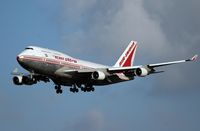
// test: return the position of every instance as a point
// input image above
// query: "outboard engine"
(17, 80)
(27, 80)
(141, 72)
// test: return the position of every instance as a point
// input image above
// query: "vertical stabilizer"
(127, 58)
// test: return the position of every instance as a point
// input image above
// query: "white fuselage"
(48, 56)
(52, 64)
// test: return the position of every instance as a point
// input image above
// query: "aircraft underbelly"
(40, 67)
(49, 70)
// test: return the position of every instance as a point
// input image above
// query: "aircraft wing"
(173, 62)
(141, 70)
(15, 72)
(149, 67)
(30, 76)
(74, 71)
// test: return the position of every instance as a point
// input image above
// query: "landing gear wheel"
(83, 89)
(88, 89)
(74, 88)
(58, 89)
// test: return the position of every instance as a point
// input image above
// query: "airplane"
(45, 65)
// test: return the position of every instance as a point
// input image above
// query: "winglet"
(194, 58)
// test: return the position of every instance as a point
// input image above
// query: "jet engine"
(98, 75)
(27, 80)
(142, 72)
(17, 80)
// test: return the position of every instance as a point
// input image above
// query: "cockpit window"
(29, 48)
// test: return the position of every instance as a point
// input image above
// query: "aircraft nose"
(19, 58)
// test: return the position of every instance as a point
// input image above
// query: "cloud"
(101, 30)
(177, 17)
(108, 29)
(165, 30)
(179, 22)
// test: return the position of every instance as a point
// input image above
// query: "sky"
(99, 31)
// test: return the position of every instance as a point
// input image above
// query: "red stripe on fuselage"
(55, 62)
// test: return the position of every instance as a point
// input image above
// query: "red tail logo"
(126, 59)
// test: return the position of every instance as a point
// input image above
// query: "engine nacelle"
(98, 75)
(142, 72)
(20, 80)
(27, 80)
(17, 80)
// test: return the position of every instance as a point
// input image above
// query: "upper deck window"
(28, 48)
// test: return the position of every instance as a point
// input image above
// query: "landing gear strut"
(74, 88)
(58, 89)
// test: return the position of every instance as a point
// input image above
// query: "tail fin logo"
(127, 58)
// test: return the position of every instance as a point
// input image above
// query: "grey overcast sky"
(99, 31)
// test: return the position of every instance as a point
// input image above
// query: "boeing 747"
(64, 70)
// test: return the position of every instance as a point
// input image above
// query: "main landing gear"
(58, 89)
(87, 88)
(75, 89)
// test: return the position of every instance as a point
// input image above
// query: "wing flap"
(80, 71)
(75, 73)
(122, 69)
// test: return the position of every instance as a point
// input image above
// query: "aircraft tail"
(127, 58)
